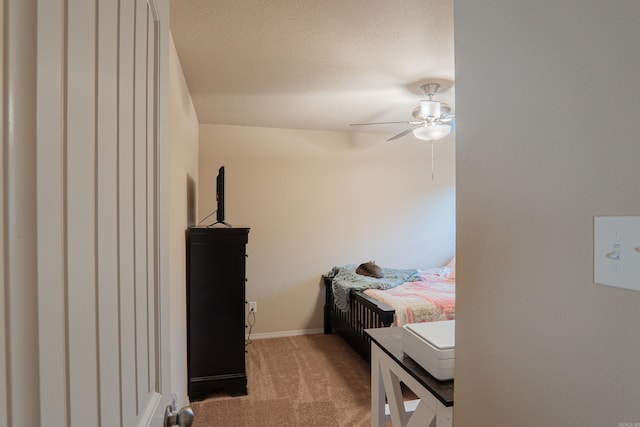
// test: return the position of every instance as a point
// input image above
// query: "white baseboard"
(264, 335)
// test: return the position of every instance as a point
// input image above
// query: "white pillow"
(452, 264)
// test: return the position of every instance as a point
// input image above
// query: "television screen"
(220, 195)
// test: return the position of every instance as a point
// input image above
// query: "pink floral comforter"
(433, 298)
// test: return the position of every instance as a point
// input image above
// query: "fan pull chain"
(432, 162)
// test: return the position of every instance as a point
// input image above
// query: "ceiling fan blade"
(403, 133)
(380, 123)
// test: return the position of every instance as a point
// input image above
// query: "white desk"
(389, 367)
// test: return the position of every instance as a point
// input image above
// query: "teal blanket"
(345, 278)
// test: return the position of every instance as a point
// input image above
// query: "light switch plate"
(616, 251)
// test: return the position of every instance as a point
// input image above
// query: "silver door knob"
(182, 418)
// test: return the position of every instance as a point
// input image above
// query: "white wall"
(547, 109)
(183, 148)
(318, 199)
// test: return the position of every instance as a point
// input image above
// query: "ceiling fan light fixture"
(430, 109)
(432, 133)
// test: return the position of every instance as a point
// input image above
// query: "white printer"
(432, 346)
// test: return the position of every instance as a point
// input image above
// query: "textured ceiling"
(313, 64)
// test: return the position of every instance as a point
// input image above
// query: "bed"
(354, 303)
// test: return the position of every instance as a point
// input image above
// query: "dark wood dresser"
(216, 267)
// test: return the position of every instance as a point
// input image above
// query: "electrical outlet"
(253, 306)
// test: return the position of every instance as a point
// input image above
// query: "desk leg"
(444, 416)
(386, 376)
(377, 389)
(393, 392)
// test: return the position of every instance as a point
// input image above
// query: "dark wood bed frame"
(364, 313)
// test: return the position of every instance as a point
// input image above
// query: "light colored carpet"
(311, 380)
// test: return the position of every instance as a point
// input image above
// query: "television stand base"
(220, 222)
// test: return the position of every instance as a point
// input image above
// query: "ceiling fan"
(431, 117)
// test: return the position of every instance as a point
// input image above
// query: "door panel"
(79, 225)
(99, 212)
(19, 325)
(107, 213)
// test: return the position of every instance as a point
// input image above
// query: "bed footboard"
(364, 313)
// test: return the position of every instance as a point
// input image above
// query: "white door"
(102, 255)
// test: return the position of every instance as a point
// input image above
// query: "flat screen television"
(220, 195)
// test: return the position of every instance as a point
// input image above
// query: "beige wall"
(547, 109)
(317, 199)
(183, 179)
